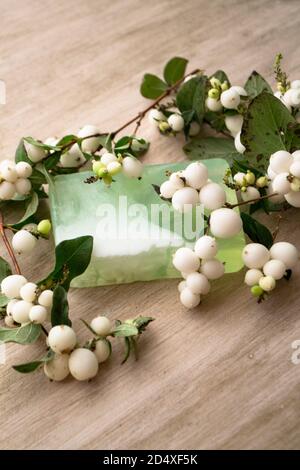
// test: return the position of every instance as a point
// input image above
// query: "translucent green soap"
(133, 241)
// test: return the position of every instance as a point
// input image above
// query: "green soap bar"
(134, 248)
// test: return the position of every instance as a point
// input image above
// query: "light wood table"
(220, 377)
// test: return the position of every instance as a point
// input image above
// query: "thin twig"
(8, 246)
(243, 203)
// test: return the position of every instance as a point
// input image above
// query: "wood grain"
(220, 377)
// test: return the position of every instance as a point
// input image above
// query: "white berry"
(10, 305)
(285, 252)
(114, 168)
(101, 325)
(250, 194)
(212, 196)
(212, 269)
(102, 351)
(230, 99)
(255, 255)
(176, 122)
(241, 91)
(278, 198)
(72, 158)
(295, 84)
(28, 292)
(155, 116)
(11, 285)
(197, 283)
(225, 223)
(185, 260)
(8, 171)
(274, 268)
(188, 299)
(296, 156)
(281, 183)
(267, 283)
(23, 169)
(7, 190)
(58, 368)
(238, 144)
(281, 161)
(46, 298)
(35, 153)
(38, 314)
(239, 178)
(181, 286)
(62, 339)
(176, 179)
(83, 364)
(132, 167)
(213, 105)
(23, 186)
(295, 169)
(234, 123)
(92, 144)
(293, 198)
(167, 189)
(23, 242)
(107, 158)
(20, 311)
(253, 276)
(206, 247)
(184, 199)
(196, 175)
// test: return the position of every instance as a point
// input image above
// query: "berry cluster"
(172, 124)
(267, 266)
(284, 172)
(27, 303)
(110, 165)
(81, 362)
(24, 241)
(290, 97)
(14, 179)
(197, 267)
(249, 185)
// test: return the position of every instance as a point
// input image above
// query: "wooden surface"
(221, 376)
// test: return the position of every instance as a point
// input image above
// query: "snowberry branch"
(251, 201)
(8, 246)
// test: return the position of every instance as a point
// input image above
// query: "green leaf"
(37, 178)
(265, 128)
(106, 141)
(38, 143)
(221, 75)
(175, 70)
(256, 231)
(215, 120)
(5, 269)
(3, 301)
(21, 154)
(72, 258)
(67, 141)
(26, 334)
(191, 97)
(131, 144)
(142, 322)
(152, 87)
(127, 350)
(211, 147)
(52, 160)
(32, 366)
(256, 84)
(60, 307)
(31, 208)
(125, 330)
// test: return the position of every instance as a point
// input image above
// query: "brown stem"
(8, 246)
(140, 116)
(243, 203)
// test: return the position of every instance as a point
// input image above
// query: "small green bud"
(250, 177)
(97, 165)
(243, 189)
(224, 86)
(295, 184)
(257, 291)
(215, 82)
(107, 179)
(280, 87)
(262, 182)
(102, 172)
(164, 126)
(214, 93)
(44, 227)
